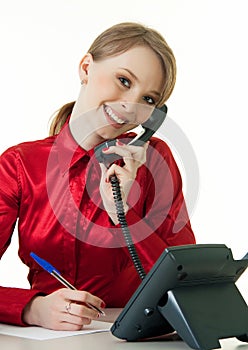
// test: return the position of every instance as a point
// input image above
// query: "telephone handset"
(149, 128)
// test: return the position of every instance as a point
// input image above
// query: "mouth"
(113, 117)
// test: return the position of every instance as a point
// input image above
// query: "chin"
(107, 134)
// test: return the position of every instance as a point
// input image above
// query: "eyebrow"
(136, 78)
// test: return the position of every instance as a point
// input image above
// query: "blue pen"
(55, 273)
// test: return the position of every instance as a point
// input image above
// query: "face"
(119, 92)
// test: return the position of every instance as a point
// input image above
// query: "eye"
(125, 82)
(149, 100)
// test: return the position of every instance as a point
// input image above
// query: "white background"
(42, 43)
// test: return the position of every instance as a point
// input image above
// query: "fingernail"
(103, 305)
(105, 149)
(107, 180)
(119, 143)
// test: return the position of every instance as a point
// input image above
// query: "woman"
(62, 196)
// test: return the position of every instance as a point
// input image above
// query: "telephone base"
(191, 290)
(205, 313)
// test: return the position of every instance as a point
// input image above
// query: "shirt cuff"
(12, 303)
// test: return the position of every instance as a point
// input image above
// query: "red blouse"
(51, 187)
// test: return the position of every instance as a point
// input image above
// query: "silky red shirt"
(50, 189)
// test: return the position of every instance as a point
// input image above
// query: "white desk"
(103, 341)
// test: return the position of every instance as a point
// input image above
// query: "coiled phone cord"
(124, 226)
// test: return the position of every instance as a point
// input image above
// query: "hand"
(63, 309)
(134, 157)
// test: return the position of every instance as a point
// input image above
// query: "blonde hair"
(115, 41)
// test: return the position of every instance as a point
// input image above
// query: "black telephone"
(149, 128)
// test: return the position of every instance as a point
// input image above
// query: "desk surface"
(103, 341)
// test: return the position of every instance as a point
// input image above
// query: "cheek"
(143, 113)
(104, 87)
(102, 81)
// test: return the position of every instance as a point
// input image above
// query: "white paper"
(40, 333)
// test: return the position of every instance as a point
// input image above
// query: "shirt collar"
(69, 152)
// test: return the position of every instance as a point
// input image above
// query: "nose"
(130, 99)
(129, 107)
(138, 112)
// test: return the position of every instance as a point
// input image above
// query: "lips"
(113, 117)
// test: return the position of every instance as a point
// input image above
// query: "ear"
(84, 67)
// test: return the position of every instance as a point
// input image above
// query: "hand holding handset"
(149, 128)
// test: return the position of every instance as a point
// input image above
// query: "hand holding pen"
(64, 309)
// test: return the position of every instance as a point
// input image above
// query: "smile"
(110, 113)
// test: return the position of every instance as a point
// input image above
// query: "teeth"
(113, 116)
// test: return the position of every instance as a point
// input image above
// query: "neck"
(83, 134)
(81, 126)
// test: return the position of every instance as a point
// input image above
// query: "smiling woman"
(119, 91)
(63, 199)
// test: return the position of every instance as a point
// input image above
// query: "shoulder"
(160, 154)
(28, 149)
(161, 146)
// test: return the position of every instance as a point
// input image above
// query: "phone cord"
(124, 226)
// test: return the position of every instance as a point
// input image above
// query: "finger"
(139, 153)
(103, 168)
(120, 172)
(70, 324)
(82, 297)
(132, 148)
(80, 315)
(127, 157)
(128, 152)
(82, 311)
(103, 171)
(75, 320)
(121, 151)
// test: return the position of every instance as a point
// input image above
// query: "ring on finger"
(68, 307)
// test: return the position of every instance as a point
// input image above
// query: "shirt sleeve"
(12, 300)
(165, 220)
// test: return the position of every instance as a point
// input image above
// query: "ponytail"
(60, 118)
